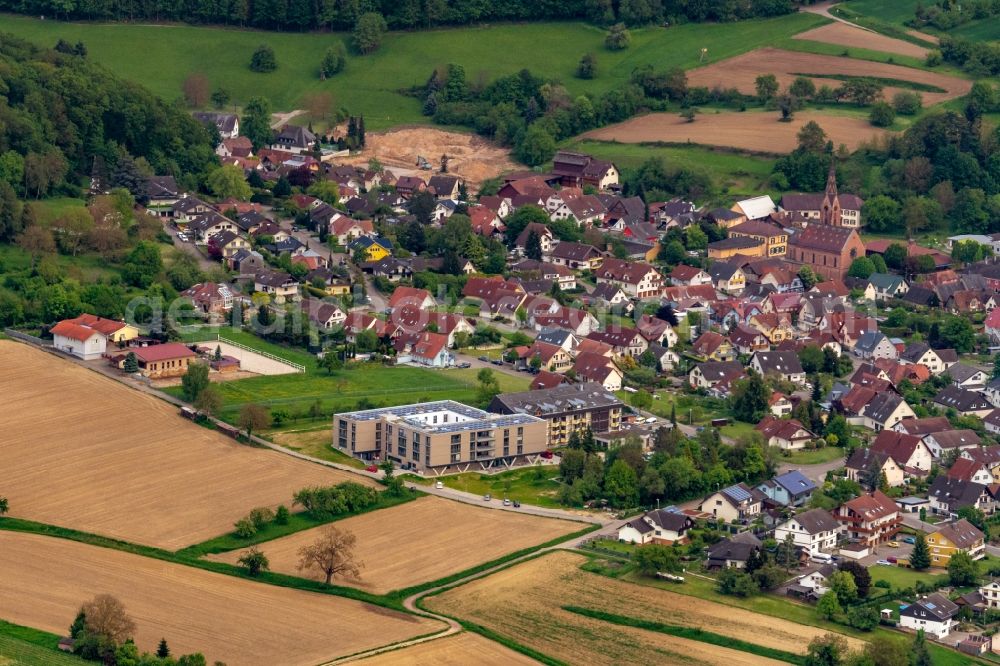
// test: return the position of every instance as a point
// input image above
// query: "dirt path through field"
(756, 132)
(462, 649)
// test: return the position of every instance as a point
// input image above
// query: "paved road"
(815, 472)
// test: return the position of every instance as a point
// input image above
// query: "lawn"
(902, 577)
(14, 652)
(531, 485)
(815, 456)
(295, 355)
(371, 85)
(313, 441)
(733, 172)
(691, 409)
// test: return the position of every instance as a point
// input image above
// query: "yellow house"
(338, 288)
(730, 247)
(773, 326)
(376, 248)
(959, 536)
(773, 237)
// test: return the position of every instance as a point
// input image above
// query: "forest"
(399, 14)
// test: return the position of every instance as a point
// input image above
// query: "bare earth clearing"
(849, 36)
(525, 603)
(470, 156)
(243, 623)
(757, 132)
(459, 650)
(441, 537)
(80, 450)
(741, 72)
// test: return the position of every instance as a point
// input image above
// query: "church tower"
(830, 210)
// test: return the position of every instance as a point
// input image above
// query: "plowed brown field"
(80, 450)
(525, 603)
(757, 132)
(463, 649)
(442, 537)
(741, 72)
(45, 580)
(848, 36)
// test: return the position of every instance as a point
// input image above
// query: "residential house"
(871, 519)
(577, 170)
(549, 357)
(79, 340)
(884, 410)
(948, 495)
(827, 250)
(967, 377)
(684, 275)
(575, 255)
(782, 364)
(867, 467)
(874, 345)
(712, 346)
(709, 374)
(656, 331)
(728, 277)
(546, 238)
(210, 297)
(773, 237)
(593, 367)
(666, 359)
(445, 186)
(779, 405)
(374, 247)
(963, 401)
(727, 248)
(427, 349)
(733, 552)
(558, 337)
(991, 594)
(756, 208)
(170, 359)
(611, 296)
(909, 451)
(940, 443)
(326, 316)
(228, 124)
(776, 327)
(968, 469)
(738, 503)
(280, 286)
(935, 614)
(660, 526)
(992, 325)
(639, 280)
(747, 340)
(346, 230)
(624, 341)
(580, 322)
(294, 139)
(789, 489)
(924, 426)
(411, 296)
(885, 286)
(786, 434)
(817, 581)
(814, 531)
(920, 353)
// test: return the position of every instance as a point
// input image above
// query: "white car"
(439, 485)
(651, 419)
(182, 237)
(885, 563)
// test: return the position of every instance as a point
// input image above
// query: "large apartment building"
(439, 437)
(566, 408)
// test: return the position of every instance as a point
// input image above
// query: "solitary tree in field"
(220, 97)
(196, 90)
(332, 554)
(254, 561)
(208, 401)
(263, 59)
(105, 617)
(254, 417)
(194, 381)
(163, 651)
(3, 505)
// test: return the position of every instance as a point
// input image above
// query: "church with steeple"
(829, 208)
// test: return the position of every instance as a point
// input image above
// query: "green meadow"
(162, 56)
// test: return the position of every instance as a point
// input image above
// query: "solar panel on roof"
(930, 605)
(737, 493)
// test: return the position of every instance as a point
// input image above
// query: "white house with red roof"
(87, 336)
(992, 325)
(411, 296)
(428, 349)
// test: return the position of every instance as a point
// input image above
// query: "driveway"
(816, 472)
(187, 247)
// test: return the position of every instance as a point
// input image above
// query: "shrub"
(618, 38)
(245, 528)
(263, 59)
(907, 103)
(882, 114)
(260, 517)
(281, 515)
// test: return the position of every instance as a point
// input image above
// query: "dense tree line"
(59, 113)
(398, 14)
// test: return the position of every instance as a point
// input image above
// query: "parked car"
(497, 361)
(909, 539)
(891, 560)
(439, 485)
(465, 364)
(182, 237)
(885, 563)
(486, 497)
(506, 502)
(371, 468)
(517, 505)
(484, 359)
(547, 455)
(651, 419)
(892, 544)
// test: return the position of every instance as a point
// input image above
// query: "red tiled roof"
(165, 352)
(68, 329)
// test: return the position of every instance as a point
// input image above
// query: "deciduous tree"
(332, 555)
(254, 561)
(196, 89)
(254, 417)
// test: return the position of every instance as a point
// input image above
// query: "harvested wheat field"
(741, 72)
(239, 622)
(755, 132)
(525, 603)
(81, 450)
(458, 650)
(470, 156)
(442, 537)
(850, 36)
